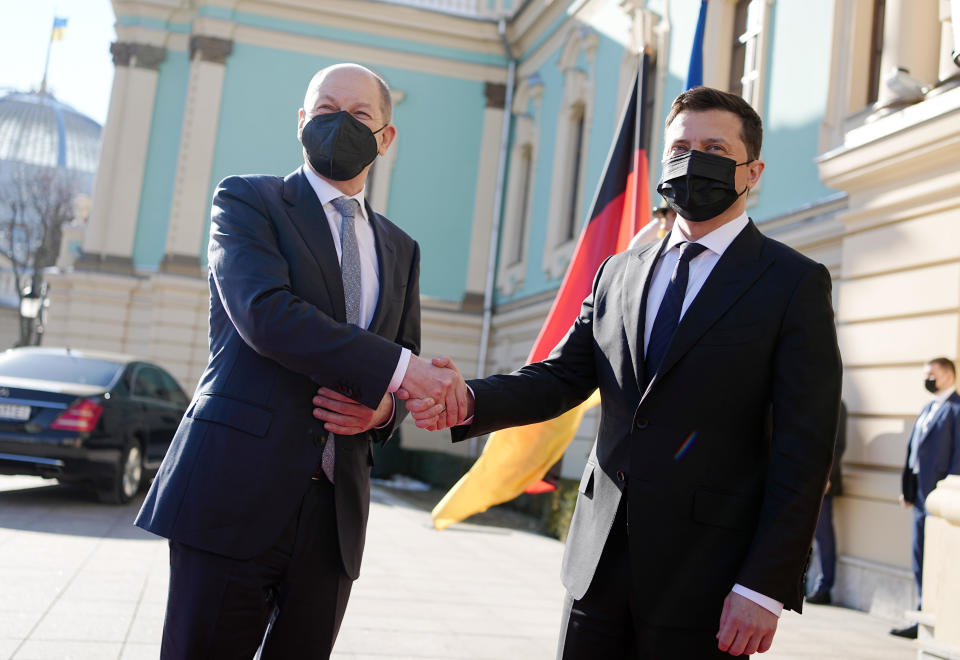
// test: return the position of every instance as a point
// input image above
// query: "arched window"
(571, 146)
(519, 203)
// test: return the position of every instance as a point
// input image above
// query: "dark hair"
(944, 363)
(700, 99)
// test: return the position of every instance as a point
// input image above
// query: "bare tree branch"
(35, 205)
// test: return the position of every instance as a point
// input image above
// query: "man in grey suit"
(716, 358)
(933, 452)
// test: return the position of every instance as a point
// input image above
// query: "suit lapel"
(390, 280)
(918, 426)
(636, 283)
(738, 269)
(308, 217)
(934, 420)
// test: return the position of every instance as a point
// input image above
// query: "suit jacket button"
(641, 423)
(621, 476)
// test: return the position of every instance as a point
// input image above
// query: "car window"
(175, 394)
(63, 368)
(122, 388)
(148, 383)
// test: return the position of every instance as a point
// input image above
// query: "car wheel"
(129, 477)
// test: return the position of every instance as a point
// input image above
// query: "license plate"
(13, 411)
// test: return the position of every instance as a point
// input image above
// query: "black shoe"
(910, 632)
(820, 597)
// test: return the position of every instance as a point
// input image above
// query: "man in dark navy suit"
(264, 499)
(716, 358)
(933, 452)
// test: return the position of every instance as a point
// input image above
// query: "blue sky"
(81, 68)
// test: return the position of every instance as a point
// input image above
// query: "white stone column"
(940, 619)
(191, 192)
(907, 25)
(493, 118)
(108, 244)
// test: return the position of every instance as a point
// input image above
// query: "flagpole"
(46, 65)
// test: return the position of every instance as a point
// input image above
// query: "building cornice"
(893, 148)
(393, 21)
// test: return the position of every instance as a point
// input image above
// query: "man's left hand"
(745, 627)
(344, 416)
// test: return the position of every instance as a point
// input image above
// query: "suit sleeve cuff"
(393, 413)
(400, 371)
(767, 603)
(469, 420)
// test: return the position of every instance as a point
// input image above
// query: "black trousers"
(604, 624)
(219, 608)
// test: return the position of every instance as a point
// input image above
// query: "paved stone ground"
(78, 581)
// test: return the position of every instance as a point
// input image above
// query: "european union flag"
(695, 71)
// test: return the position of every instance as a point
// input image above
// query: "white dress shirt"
(369, 266)
(701, 266)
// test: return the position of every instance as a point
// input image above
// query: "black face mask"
(931, 385)
(699, 186)
(338, 145)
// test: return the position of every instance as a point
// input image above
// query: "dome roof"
(37, 129)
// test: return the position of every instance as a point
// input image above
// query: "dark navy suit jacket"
(939, 452)
(245, 451)
(723, 454)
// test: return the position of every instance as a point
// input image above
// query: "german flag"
(517, 459)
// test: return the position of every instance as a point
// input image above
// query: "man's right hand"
(433, 417)
(442, 388)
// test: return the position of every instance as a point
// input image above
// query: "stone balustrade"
(940, 618)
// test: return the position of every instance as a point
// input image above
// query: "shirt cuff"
(400, 371)
(767, 603)
(393, 412)
(469, 420)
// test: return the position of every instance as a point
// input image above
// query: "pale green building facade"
(505, 113)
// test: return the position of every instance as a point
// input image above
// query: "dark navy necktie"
(668, 316)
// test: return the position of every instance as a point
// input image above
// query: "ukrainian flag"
(59, 28)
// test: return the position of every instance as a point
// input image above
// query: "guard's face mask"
(338, 145)
(931, 385)
(699, 186)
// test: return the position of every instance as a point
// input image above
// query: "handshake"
(435, 394)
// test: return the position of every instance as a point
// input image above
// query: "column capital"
(210, 49)
(141, 56)
(496, 94)
(122, 52)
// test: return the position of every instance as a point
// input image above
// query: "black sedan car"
(100, 419)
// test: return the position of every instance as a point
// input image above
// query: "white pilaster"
(116, 199)
(201, 117)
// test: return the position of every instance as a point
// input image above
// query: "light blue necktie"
(920, 429)
(348, 208)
